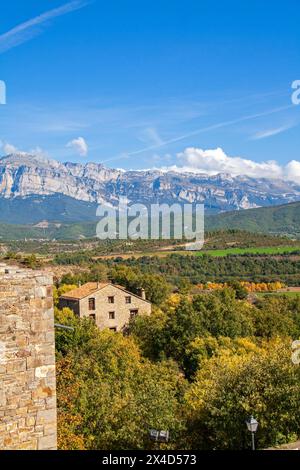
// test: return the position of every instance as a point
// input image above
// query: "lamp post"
(252, 425)
(64, 327)
(159, 436)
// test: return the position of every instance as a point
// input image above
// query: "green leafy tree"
(223, 315)
(156, 287)
(116, 396)
(150, 334)
(241, 292)
(277, 316)
(183, 325)
(241, 380)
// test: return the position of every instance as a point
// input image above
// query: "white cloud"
(9, 148)
(79, 145)
(31, 28)
(216, 161)
(271, 132)
(292, 171)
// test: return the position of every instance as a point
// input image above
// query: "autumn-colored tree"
(114, 396)
(240, 380)
(169, 334)
(70, 421)
(197, 367)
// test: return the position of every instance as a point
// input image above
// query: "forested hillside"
(283, 220)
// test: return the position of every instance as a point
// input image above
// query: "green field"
(272, 250)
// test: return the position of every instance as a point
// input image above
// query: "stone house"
(109, 305)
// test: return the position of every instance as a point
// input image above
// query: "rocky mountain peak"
(24, 176)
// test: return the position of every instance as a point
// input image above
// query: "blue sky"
(140, 84)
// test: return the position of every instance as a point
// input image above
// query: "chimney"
(142, 293)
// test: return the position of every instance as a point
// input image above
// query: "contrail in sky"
(29, 29)
(200, 131)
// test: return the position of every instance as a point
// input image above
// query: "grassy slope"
(64, 232)
(278, 219)
(56, 208)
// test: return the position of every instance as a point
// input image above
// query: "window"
(113, 329)
(111, 300)
(134, 313)
(111, 315)
(92, 316)
(92, 304)
(128, 300)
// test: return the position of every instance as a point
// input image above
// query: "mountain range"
(35, 189)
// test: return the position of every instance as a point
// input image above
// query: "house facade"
(109, 305)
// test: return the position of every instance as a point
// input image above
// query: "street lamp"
(252, 425)
(159, 436)
(64, 327)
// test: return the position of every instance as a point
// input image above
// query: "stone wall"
(27, 361)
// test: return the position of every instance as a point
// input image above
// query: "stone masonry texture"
(27, 361)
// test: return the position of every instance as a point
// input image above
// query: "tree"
(170, 334)
(62, 289)
(156, 287)
(150, 334)
(277, 316)
(183, 325)
(114, 396)
(223, 315)
(84, 331)
(70, 421)
(31, 261)
(241, 292)
(241, 380)
(99, 272)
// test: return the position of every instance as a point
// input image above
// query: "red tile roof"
(85, 290)
(91, 287)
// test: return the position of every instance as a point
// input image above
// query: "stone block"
(2, 398)
(16, 366)
(44, 371)
(47, 442)
(46, 416)
(42, 392)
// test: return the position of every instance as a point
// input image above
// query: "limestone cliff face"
(22, 176)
